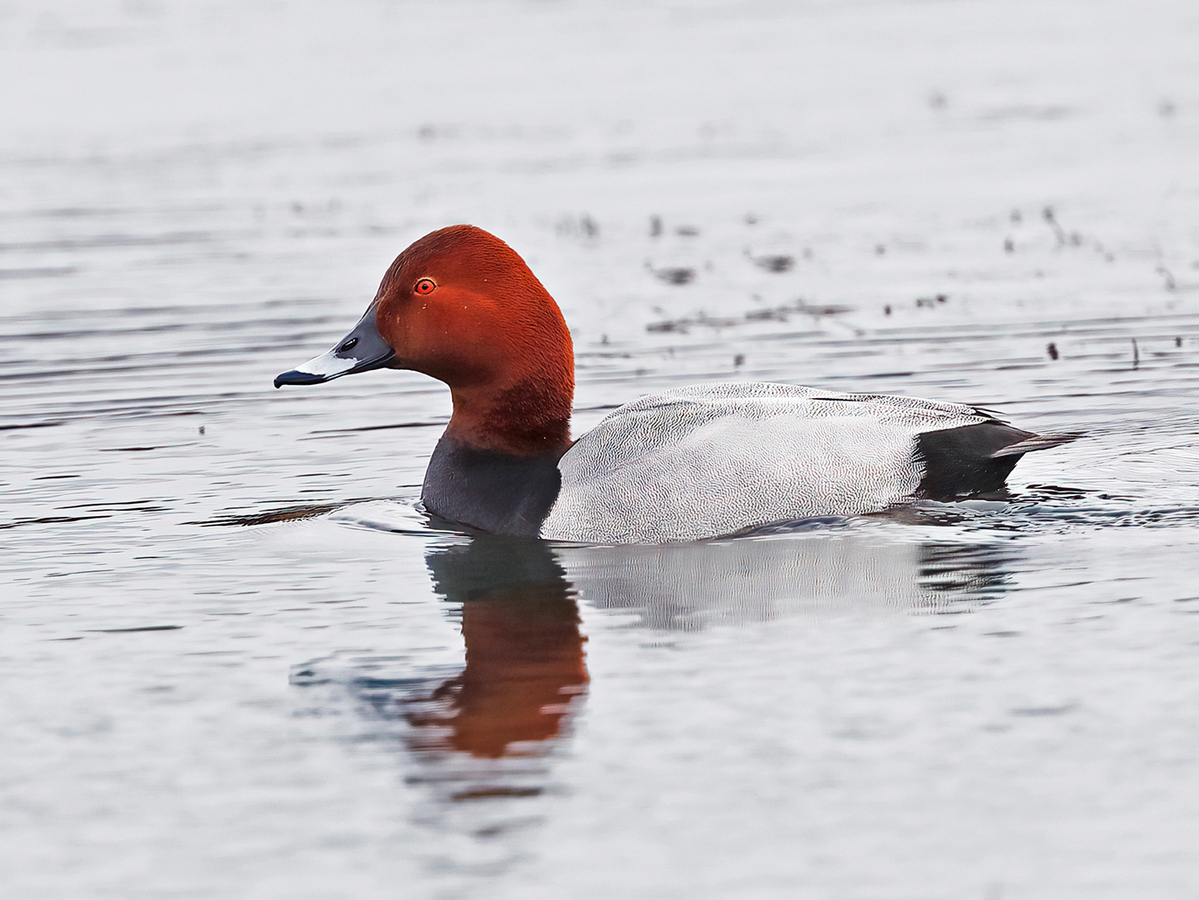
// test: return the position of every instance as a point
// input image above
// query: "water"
(238, 662)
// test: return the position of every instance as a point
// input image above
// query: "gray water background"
(230, 643)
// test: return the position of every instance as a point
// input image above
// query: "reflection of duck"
(482, 732)
(524, 653)
(827, 572)
(703, 461)
(482, 739)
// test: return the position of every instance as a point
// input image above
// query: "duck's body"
(715, 459)
(696, 462)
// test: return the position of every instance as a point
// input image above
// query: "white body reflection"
(832, 571)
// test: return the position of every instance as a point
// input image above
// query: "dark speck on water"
(673, 274)
(773, 262)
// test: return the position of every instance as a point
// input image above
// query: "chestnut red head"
(462, 306)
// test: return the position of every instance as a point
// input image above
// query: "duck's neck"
(490, 490)
(496, 466)
(529, 418)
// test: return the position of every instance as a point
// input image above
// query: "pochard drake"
(703, 461)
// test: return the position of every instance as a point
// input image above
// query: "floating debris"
(799, 307)
(821, 309)
(672, 274)
(1073, 238)
(584, 226)
(703, 320)
(772, 314)
(772, 262)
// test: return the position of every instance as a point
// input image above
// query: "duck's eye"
(348, 345)
(425, 286)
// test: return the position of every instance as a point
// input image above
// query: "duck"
(691, 463)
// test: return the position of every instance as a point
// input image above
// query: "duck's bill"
(361, 350)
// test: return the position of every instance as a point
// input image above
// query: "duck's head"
(462, 306)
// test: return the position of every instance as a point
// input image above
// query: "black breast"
(494, 492)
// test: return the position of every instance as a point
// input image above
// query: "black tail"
(975, 459)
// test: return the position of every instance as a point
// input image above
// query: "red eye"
(425, 286)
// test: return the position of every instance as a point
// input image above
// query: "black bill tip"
(295, 376)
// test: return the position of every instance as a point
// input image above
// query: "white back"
(713, 459)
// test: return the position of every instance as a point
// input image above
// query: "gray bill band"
(361, 350)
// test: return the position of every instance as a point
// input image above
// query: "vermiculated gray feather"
(713, 459)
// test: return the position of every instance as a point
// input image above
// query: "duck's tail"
(1036, 442)
(975, 459)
